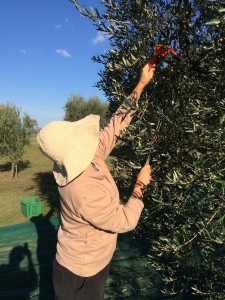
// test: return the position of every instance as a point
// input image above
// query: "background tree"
(77, 107)
(184, 107)
(14, 134)
(30, 124)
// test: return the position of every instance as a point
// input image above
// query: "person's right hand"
(147, 74)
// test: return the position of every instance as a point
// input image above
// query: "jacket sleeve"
(104, 212)
(108, 136)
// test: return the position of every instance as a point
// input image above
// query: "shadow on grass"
(48, 189)
(22, 165)
(6, 167)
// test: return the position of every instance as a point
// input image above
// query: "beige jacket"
(91, 213)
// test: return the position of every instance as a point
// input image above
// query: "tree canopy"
(181, 123)
(77, 107)
(14, 133)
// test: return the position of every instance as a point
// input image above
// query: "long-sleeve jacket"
(91, 213)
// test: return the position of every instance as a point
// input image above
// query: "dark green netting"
(27, 251)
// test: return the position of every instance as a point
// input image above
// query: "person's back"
(91, 212)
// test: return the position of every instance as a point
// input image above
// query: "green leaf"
(220, 219)
(222, 119)
(124, 61)
(213, 22)
(163, 238)
(76, 4)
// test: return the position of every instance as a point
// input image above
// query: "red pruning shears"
(161, 50)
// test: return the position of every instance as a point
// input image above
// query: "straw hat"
(70, 145)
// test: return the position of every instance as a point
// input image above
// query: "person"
(91, 213)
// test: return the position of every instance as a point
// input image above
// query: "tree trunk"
(12, 171)
(16, 171)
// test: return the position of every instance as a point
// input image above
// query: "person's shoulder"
(87, 181)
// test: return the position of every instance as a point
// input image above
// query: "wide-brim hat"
(70, 145)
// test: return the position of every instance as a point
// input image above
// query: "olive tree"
(14, 134)
(180, 122)
(77, 107)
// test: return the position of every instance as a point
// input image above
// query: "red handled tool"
(161, 50)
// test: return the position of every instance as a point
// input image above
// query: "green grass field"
(34, 168)
(35, 178)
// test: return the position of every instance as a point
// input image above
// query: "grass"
(35, 178)
(33, 169)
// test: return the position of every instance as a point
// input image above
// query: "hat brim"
(80, 151)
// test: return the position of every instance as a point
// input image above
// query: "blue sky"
(45, 56)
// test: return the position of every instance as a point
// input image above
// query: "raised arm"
(122, 117)
(146, 76)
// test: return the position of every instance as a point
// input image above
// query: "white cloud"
(101, 37)
(63, 52)
(58, 26)
(67, 20)
(23, 51)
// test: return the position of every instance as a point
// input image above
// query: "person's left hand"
(143, 179)
(145, 175)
